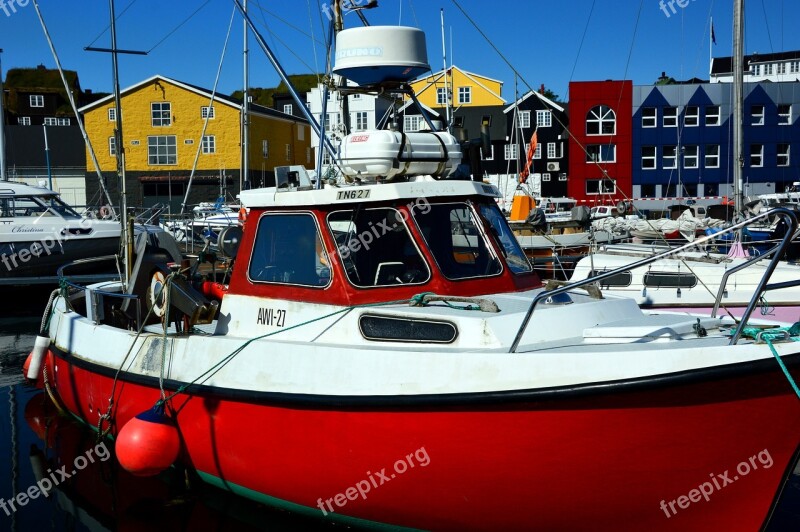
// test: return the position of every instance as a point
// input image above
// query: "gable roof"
(227, 100)
(541, 97)
(409, 103)
(436, 76)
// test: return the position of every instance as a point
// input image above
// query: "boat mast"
(444, 75)
(738, 102)
(3, 176)
(244, 175)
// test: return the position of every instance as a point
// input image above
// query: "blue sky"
(541, 39)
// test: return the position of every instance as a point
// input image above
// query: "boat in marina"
(385, 354)
(39, 233)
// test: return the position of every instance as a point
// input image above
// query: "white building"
(784, 66)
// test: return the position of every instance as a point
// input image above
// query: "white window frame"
(537, 153)
(649, 154)
(166, 153)
(551, 150)
(601, 115)
(112, 114)
(511, 152)
(649, 117)
(160, 108)
(288, 152)
(757, 113)
(785, 155)
(465, 95)
(669, 157)
(412, 123)
(24, 120)
(524, 119)
(670, 117)
(562, 176)
(490, 157)
(50, 121)
(209, 144)
(288, 108)
(36, 100)
(207, 111)
(794, 67)
(63, 121)
(711, 160)
(757, 156)
(781, 68)
(265, 149)
(112, 146)
(691, 156)
(768, 68)
(715, 115)
(785, 119)
(361, 121)
(441, 96)
(544, 118)
(691, 116)
(546, 176)
(610, 157)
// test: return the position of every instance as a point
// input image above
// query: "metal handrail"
(777, 251)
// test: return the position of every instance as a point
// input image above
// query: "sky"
(548, 43)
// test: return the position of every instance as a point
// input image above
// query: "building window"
(562, 176)
(63, 121)
(265, 149)
(784, 115)
(511, 152)
(669, 158)
(161, 113)
(288, 109)
(551, 150)
(601, 186)
(794, 67)
(781, 68)
(757, 115)
(209, 144)
(288, 152)
(308, 155)
(601, 153)
(465, 95)
(441, 96)
(112, 146)
(601, 120)
(691, 116)
(756, 155)
(783, 154)
(670, 117)
(690, 159)
(545, 177)
(112, 114)
(207, 112)
(50, 121)
(544, 118)
(488, 156)
(649, 116)
(712, 115)
(648, 157)
(537, 153)
(361, 121)
(24, 120)
(331, 121)
(412, 123)
(162, 150)
(768, 68)
(37, 100)
(524, 119)
(712, 156)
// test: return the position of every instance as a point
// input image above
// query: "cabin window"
(509, 246)
(453, 235)
(376, 247)
(288, 250)
(618, 279)
(669, 280)
(21, 206)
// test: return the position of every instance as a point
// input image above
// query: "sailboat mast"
(738, 102)
(3, 176)
(245, 173)
(120, 149)
(444, 75)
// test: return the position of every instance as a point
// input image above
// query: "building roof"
(228, 100)
(436, 76)
(542, 98)
(724, 65)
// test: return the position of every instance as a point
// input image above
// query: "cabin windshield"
(23, 206)
(452, 233)
(515, 257)
(377, 248)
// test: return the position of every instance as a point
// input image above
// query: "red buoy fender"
(148, 444)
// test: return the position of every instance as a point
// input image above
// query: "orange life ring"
(242, 215)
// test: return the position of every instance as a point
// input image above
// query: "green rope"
(419, 301)
(771, 334)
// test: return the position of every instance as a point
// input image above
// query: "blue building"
(683, 139)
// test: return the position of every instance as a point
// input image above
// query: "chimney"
(541, 89)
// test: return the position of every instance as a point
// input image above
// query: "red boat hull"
(599, 456)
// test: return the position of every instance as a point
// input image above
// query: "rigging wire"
(583, 38)
(116, 19)
(168, 35)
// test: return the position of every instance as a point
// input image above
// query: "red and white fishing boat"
(384, 353)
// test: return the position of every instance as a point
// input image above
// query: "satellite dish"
(228, 241)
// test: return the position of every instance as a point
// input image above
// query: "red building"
(600, 152)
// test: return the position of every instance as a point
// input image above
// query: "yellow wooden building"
(465, 89)
(163, 123)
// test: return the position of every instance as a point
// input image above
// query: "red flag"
(523, 176)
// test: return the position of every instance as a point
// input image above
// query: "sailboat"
(384, 354)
